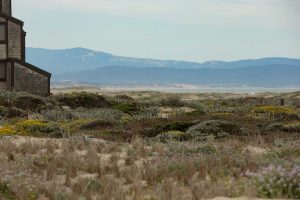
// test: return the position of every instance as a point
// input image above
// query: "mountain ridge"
(60, 61)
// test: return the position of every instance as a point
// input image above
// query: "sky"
(193, 30)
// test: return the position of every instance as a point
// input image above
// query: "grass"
(112, 151)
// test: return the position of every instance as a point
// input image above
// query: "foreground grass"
(96, 169)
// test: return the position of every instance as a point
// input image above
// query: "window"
(2, 32)
(2, 71)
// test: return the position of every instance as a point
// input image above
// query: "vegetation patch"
(38, 128)
(215, 128)
(81, 99)
(7, 130)
(275, 112)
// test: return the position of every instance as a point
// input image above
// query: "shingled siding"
(27, 80)
(3, 51)
(6, 86)
(14, 40)
(6, 7)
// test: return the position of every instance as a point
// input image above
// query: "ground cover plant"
(148, 145)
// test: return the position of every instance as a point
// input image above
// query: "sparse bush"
(216, 128)
(278, 181)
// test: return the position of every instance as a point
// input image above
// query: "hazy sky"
(197, 30)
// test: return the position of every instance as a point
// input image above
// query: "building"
(15, 73)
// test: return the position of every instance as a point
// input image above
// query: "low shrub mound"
(39, 128)
(81, 99)
(215, 128)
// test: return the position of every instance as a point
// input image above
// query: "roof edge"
(30, 66)
(11, 18)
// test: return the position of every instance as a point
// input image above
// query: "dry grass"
(69, 169)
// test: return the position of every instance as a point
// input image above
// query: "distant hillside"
(270, 75)
(84, 65)
(80, 59)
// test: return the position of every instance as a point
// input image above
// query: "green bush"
(128, 108)
(216, 128)
(195, 113)
(97, 124)
(22, 101)
(180, 126)
(81, 99)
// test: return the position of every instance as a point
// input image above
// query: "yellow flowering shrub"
(275, 112)
(30, 126)
(7, 130)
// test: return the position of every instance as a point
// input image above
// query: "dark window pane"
(2, 70)
(2, 32)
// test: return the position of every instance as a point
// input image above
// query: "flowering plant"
(278, 181)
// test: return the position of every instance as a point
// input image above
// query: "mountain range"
(88, 66)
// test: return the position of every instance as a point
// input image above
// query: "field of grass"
(149, 145)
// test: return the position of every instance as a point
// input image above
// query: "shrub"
(57, 114)
(96, 124)
(7, 130)
(172, 136)
(293, 127)
(216, 128)
(275, 127)
(27, 101)
(172, 101)
(276, 112)
(98, 113)
(81, 99)
(128, 108)
(3, 111)
(124, 98)
(175, 126)
(278, 181)
(38, 128)
(196, 113)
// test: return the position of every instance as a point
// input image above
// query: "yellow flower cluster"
(274, 110)
(29, 126)
(7, 130)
